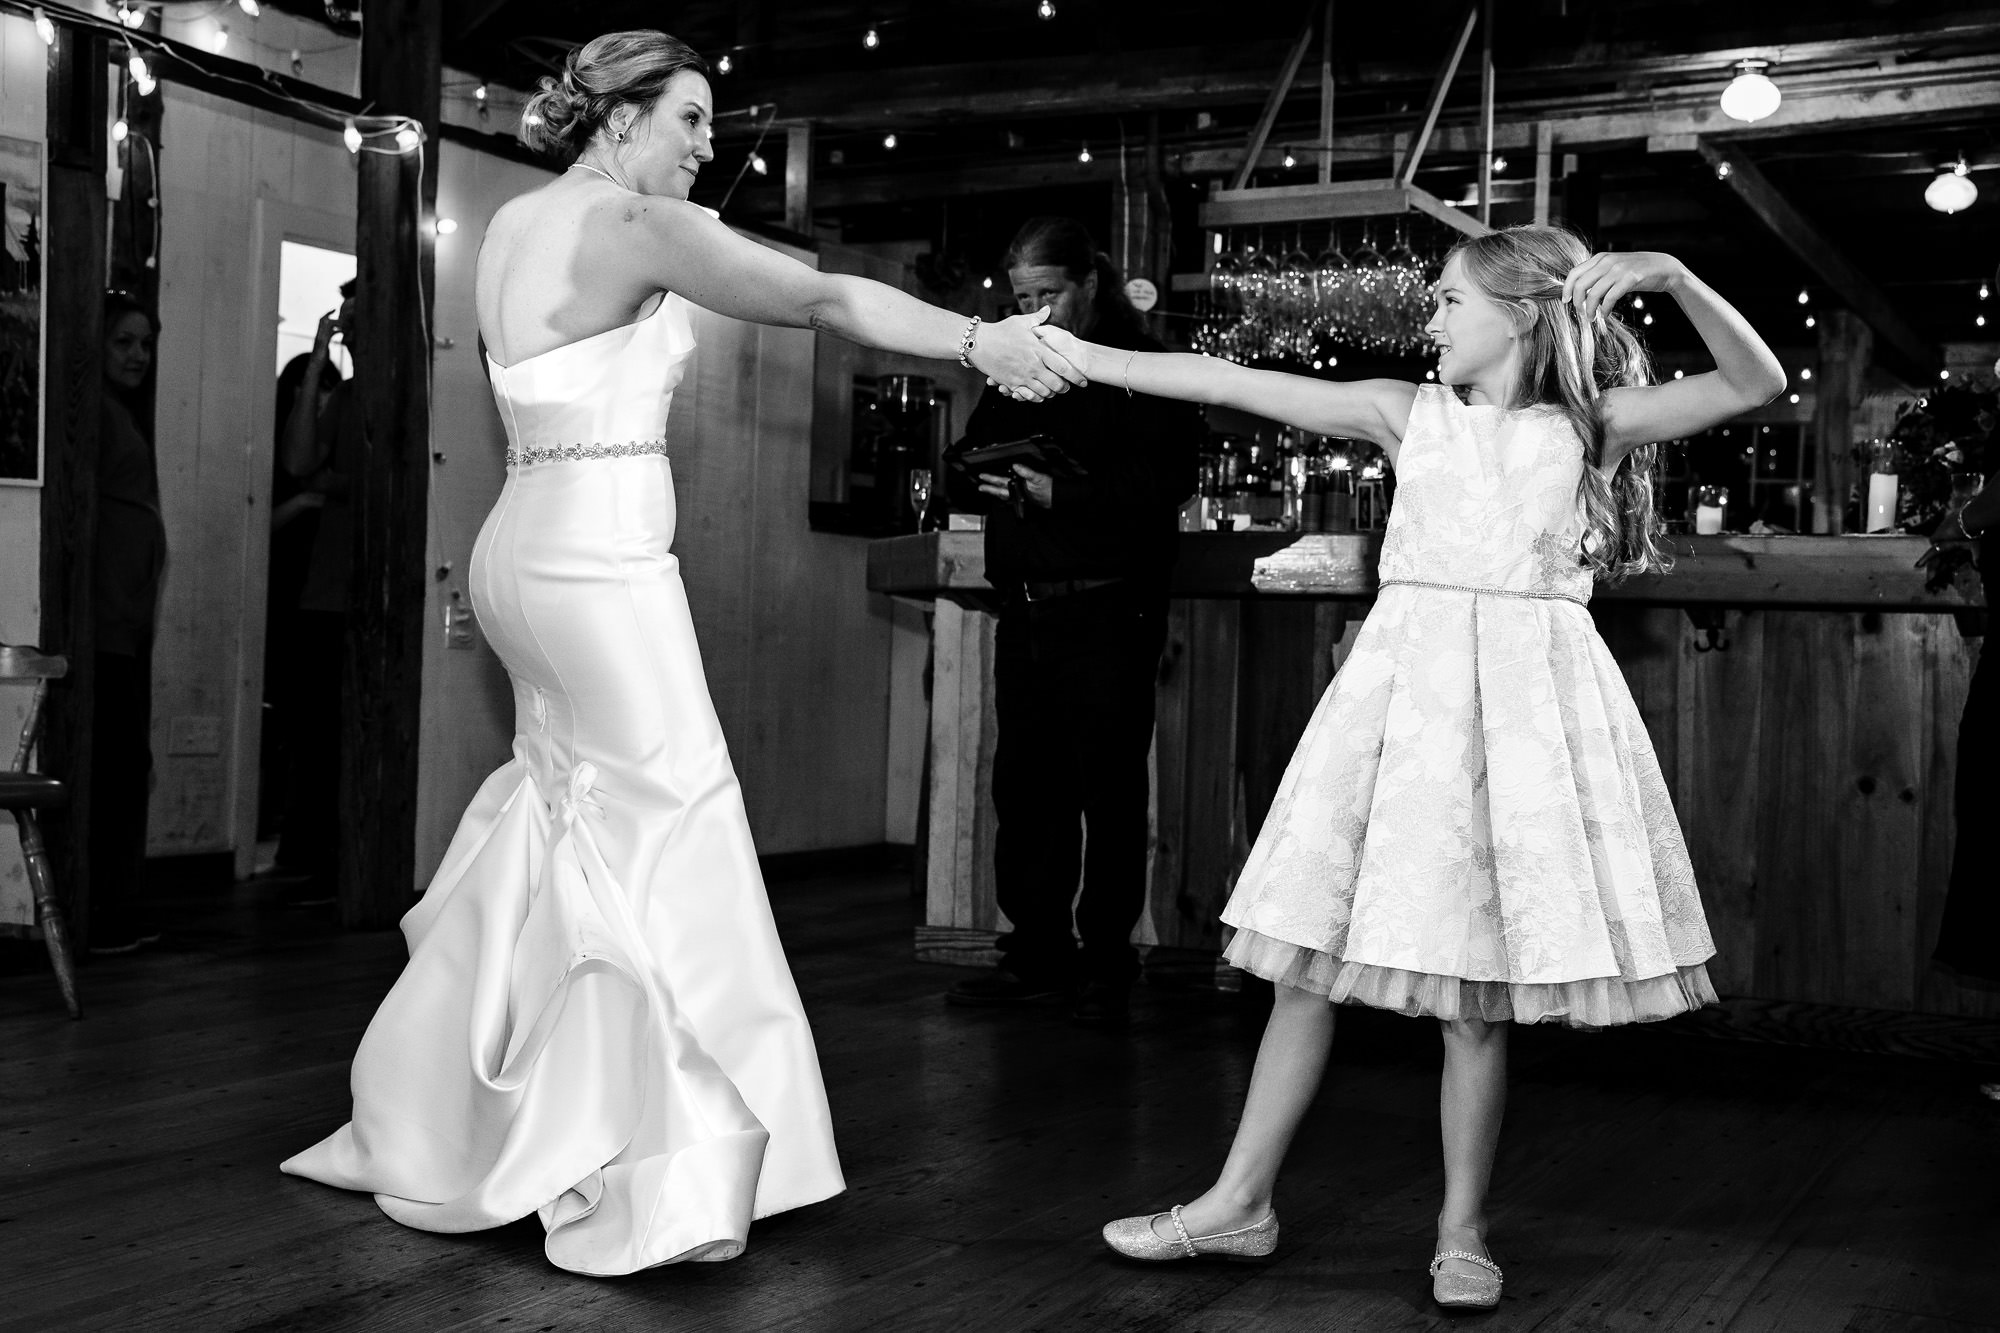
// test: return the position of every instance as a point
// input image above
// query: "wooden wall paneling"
(1954, 657)
(1335, 625)
(1647, 644)
(1717, 792)
(1808, 704)
(1881, 808)
(820, 661)
(73, 291)
(1213, 841)
(1172, 709)
(207, 285)
(712, 435)
(1279, 661)
(468, 719)
(960, 915)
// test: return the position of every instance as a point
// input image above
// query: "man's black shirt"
(1119, 520)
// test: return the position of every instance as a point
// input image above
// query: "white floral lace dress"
(1474, 823)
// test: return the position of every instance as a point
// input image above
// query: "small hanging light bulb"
(1290, 161)
(987, 283)
(871, 39)
(219, 38)
(145, 87)
(131, 17)
(723, 64)
(1805, 372)
(1638, 303)
(479, 93)
(888, 141)
(1499, 164)
(1810, 321)
(408, 139)
(298, 62)
(45, 28)
(138, 69)
(1083, 155)
(445, 226)
(1647, 320)
(250, 7)
(350, 134)
(1804, 296)
(1046, 9)
(119, 129)
(759, 165)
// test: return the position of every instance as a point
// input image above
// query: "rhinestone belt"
(577, 453)
(1490, 592)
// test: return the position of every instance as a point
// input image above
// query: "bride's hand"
(1069, 347)
(1011, 356)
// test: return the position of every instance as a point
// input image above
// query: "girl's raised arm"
(1746, 374)
(1377, 410)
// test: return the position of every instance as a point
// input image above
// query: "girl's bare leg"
(1471, 1100)
(1290, 1061)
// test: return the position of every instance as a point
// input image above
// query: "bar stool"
(22, 793)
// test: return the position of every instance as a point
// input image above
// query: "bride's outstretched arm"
(681, 248)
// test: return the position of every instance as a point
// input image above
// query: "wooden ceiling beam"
(1821, 255)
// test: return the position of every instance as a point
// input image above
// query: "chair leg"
(55, 927)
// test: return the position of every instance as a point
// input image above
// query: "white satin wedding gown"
(596, 1023)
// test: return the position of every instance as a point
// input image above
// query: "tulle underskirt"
(1592, 1002)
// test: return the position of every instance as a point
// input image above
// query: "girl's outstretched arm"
(1377, 410)
(1746, 373)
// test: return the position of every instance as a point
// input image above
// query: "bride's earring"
(618, 136)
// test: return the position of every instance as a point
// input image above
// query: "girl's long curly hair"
(1570, 363)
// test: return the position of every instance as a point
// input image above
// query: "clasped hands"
(1028, 359)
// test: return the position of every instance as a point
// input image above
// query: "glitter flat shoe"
(1135, 1238)
(1465, 1291)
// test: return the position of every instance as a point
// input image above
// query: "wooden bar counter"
(1803, 693)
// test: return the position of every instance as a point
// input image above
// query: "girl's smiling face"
(1476, 341)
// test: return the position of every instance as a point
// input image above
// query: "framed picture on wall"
(20, 312)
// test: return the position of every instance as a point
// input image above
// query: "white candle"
(1881, 502)
(1708, 519)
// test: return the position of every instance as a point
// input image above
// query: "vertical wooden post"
(1141, 239)
(1846, 348)
(1325, 96)
(382, 689)
(1545, 149)
(1486, 115)
(73, 348)
(798, 178)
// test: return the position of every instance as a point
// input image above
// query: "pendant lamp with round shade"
(1750, 96)
(1953, 190)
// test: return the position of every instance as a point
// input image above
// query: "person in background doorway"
(321, 449)
(128, 558)
(1082, 562)
(295, 513)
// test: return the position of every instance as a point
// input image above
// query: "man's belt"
(1041, 592)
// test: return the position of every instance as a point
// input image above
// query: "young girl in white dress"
(1474, 825)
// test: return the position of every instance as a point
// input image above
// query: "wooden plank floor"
(1647, 1180)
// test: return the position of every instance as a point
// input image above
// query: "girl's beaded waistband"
(1490, 592)
(577, 453)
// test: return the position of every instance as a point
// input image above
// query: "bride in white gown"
(596, 1022)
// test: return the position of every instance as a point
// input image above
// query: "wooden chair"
(23, 793)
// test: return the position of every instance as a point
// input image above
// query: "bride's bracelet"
(965, 343)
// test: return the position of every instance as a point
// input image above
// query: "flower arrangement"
(1951, 430)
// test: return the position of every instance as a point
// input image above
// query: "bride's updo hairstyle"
(598, 77)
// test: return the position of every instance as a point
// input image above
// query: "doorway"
(300, 706)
